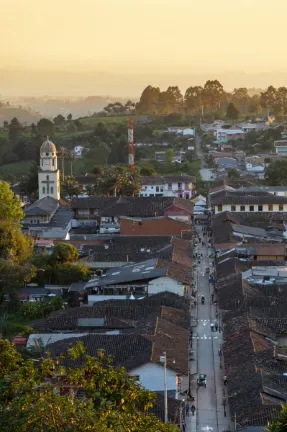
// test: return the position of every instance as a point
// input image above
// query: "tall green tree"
(276, 173)
(69, 187)
(45, 127)
(59, 120)
(193, 100)
(63, 253)
(14, 130)
(213, 94)
(232, 112)
(149, 100)
(10, 206)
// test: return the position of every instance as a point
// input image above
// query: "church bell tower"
(49, 176)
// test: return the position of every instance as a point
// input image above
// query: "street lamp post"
(163, 360)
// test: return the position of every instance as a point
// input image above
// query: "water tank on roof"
(99, 272)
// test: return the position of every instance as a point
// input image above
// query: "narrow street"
(209, 416)
(206, 173)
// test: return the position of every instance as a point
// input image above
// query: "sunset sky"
(141, 36)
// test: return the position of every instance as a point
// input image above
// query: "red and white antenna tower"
(131, 144)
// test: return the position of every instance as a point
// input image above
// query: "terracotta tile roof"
(173, 340)
(181, 252)
(176, 271)
(129, 351)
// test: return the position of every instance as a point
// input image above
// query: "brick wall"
(162, 226)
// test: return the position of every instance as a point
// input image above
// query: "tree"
(279, 424)
(193, 99)
(41, 309)
(29, 184)
(276, 173)
(99, 154)
(69, 117)
(59, 120)
(14, 130)
(63, 253)
(147, 171)
(213, 94)
(149, 100)
(269, 99)
(114, 400)
(241, 99)
(169, 156)
(33, 129)
(10, 206)
(233, 174)
(45, 127)
(67, 273)
(69, 187)
(232, 112)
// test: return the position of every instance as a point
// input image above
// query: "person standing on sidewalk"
(192, 409)
(187, 410)
(225, 380)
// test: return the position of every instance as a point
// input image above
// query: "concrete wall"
(151, 377)
(161, 226)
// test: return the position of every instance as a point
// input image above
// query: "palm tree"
(62, 153)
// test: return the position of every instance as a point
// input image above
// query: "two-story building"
(281, 147)
(238, 201)
(225, 135)
(180, 186)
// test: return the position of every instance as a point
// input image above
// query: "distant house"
(181, 130)
(48, 218)
(180, 186)
(225, 135)
(281, 147)
(179, 156)
(78, 151)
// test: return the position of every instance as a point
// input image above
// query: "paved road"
(208, 401)
(206, 173)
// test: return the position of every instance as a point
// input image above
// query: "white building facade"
(268, 208)
(281, 147)
(49, 175)
(180, 187)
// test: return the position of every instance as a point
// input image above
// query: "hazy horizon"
(125, 45)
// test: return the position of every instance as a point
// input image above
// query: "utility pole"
(131, 144)
(163, 360)
(235, 422)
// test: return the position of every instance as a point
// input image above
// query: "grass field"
(17, 169)
(92, 121)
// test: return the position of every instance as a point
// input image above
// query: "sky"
(144, 37)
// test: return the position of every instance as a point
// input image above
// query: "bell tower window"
(44, 190)
(47, 154)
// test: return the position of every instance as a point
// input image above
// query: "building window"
(179, 185)
(280, 207)
(251, 208)
(157, 188)
(233, 207)
(151, 187)
(47, 177)
(52, 189)
(242, 208)
(53, 162)
(47, 154)
(219, 207)
(270, 207)
(260, 208)
(44, 189)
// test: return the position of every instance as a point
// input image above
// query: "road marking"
(207, 428)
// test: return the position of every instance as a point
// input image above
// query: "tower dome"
(48, 147)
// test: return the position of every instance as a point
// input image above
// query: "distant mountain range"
(21, 82)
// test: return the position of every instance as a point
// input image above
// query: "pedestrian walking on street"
(225, 380)
(192, 409)
(187, 410)
(212, 326)
(216, 327)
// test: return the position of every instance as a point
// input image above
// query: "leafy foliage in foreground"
(40, 396)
